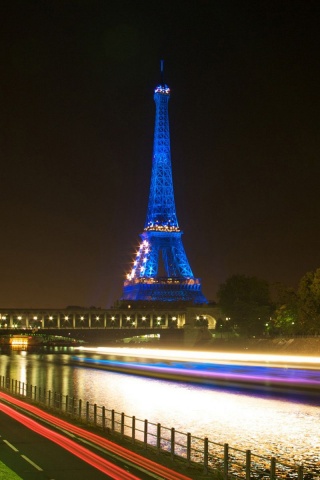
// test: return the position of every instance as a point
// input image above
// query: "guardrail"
(212, 457)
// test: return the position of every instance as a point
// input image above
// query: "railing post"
(226, 461)
(112, 420)
(67, 403)
(80, 408)
(188, 448)
(35, 393)
(158, 437)
(103, 418)
(87, 412)
(273, 469)
(300, 472)
(145, 434)
(60, 401)
(133, 430)
(49, 398)
(172, 443)
(205, 455)
(248, 464)
(122, 424)
(95, 414)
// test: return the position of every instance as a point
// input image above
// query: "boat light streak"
(291, 361)
(212, 373)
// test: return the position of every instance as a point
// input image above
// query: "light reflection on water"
(284, 427)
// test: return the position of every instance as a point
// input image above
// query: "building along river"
(269, 423)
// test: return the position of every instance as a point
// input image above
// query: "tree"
(246, 301)
(309, 303)
(285, 317)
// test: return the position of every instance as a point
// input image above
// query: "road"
(46, 447)
(34, 457)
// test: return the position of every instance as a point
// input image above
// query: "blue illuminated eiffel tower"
(161, 244)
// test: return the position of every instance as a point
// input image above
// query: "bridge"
(94, 324)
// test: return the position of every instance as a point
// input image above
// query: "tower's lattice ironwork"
(161, 245)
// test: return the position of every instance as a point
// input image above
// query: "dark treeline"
(252, 306)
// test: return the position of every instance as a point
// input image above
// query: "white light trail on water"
(205, 357)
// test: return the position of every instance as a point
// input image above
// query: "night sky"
(77, 119)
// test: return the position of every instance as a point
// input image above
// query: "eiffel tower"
(161, 271)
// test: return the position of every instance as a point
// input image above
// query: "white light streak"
(210, 357)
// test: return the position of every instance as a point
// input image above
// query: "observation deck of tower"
(161, 247)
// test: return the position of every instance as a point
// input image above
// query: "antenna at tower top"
(162, 88)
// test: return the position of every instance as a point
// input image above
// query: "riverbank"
(24, 340)
(279, 345)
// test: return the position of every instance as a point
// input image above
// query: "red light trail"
(88, 456)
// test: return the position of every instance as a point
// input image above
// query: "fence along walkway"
(213, 457)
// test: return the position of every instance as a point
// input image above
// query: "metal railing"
(212, 457)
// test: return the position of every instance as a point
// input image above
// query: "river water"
(283, 426)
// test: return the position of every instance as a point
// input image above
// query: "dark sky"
(77, 118)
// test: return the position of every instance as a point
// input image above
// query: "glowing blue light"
(162, 235)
